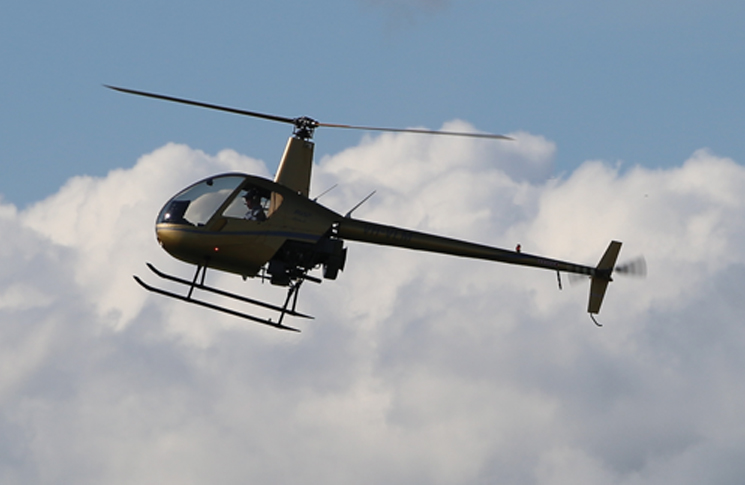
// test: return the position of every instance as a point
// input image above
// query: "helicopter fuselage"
(248, 225)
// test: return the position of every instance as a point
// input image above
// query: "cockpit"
(233, 196)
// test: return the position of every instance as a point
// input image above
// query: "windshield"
(198, 203)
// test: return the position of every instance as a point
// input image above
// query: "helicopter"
(270, 229)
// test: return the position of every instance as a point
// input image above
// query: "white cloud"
(419, 368)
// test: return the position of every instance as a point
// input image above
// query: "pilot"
(253, 203)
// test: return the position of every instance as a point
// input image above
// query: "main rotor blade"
(303, 122)
(265, 116)
(416, 130)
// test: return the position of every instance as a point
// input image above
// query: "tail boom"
(370, 232)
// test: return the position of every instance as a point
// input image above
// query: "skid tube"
(283, 310)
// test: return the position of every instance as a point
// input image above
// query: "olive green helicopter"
(272, 230)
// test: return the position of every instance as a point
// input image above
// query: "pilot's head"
(251, 198)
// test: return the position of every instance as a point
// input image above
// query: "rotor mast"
(296, 165)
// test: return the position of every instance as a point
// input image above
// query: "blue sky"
(639, 82)
(418, 368)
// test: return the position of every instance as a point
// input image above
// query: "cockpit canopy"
(233, 195)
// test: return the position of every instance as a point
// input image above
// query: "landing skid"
(192, 285)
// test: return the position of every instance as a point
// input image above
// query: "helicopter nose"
(168, 239)
(185, 245)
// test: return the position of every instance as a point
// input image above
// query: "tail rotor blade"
(636, 267)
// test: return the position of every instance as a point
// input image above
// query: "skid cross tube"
(194, 281)
(293, 291)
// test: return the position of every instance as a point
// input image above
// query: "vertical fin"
(602, 277)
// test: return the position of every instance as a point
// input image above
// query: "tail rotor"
(636, 268)
(602, 275)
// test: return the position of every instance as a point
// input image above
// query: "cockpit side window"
(253, 203)
(198, 203)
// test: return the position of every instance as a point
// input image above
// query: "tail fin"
(602, 277)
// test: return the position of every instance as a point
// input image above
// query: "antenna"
(325, 192)
(349, 214)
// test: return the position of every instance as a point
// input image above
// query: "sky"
(640, 82)
(418, 368)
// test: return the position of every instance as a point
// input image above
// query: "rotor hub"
(304, 127)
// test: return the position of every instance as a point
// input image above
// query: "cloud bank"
(419, 368)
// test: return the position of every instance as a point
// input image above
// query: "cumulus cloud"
(418, 368)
